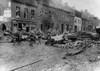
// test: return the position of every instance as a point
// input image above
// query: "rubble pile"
(78, 46)
(72, 45)
(82, 62)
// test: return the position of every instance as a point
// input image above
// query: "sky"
(93, 6)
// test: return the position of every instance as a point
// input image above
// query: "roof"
(56, 8)
(26, 2)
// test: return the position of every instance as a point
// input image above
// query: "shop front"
(46, 25)
(19, 25)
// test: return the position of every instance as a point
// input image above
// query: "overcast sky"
(93, 6)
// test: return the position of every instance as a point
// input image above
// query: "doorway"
(27, 29)
(46, 25)
(41, 27)
(62, 28)
(20, 26)
(75, 29)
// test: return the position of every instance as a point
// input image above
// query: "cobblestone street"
(49, 35)
(16, 56)
(12, 57)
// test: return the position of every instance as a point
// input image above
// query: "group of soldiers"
(17, 35)
(33, 36)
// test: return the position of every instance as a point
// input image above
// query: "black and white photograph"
(49, 35)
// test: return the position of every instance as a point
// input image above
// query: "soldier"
(3, 27)
(32, 38)
(39, 35)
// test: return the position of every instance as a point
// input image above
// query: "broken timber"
(26, 65)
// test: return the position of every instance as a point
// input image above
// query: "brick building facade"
(24, 13)
(77, 21)
(39, 14)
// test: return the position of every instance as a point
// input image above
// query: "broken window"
(41, 12)
(25, 13)
(32, 14)
(50, 14)
(17, 11)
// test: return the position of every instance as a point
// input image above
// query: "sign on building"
(7, 15)
(1, 18)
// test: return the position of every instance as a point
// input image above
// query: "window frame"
(26, 11)
(18, 13)
(32, 13)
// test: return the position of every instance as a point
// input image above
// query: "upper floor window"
(63, 16)
(68, 19)
(17, 11)
(32, 14)
(58, 15)
(41, 12)
(83, 29)
(78, 21)
(75, 20)
(46, 12)
(25, 13)
(49, 13)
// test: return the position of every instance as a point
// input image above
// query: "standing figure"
(3, 27)
(32, 39)
(17, 37)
